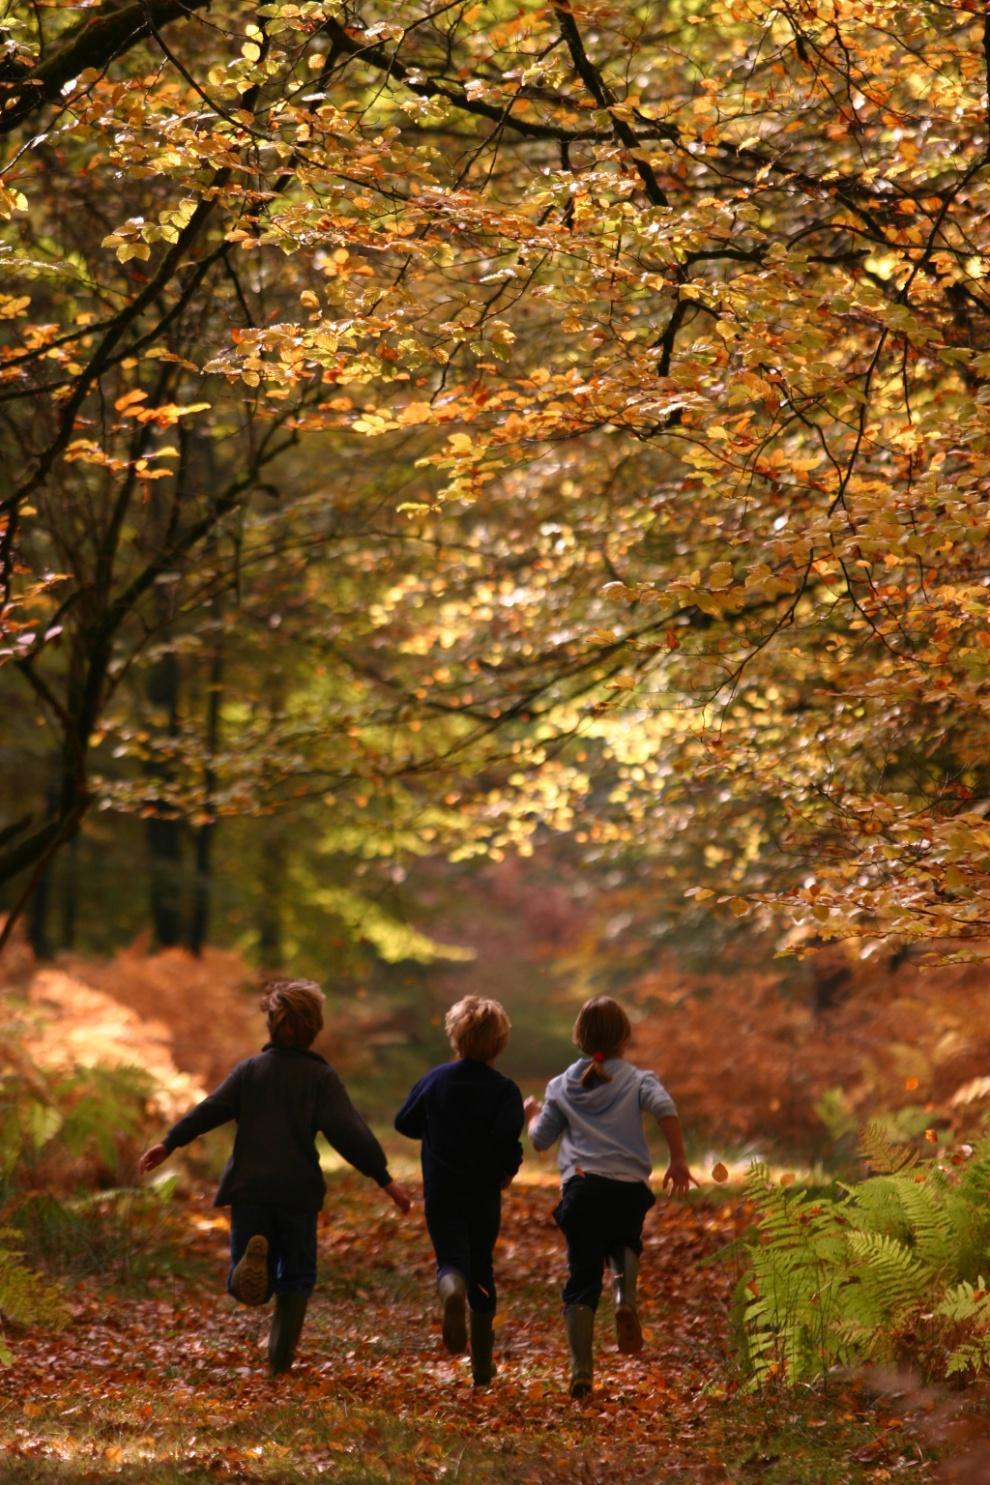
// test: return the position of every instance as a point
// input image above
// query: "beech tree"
(621, 373)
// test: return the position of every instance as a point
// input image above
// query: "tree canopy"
(471, 418)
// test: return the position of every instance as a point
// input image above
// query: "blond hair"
(601, 1028)
(294, 1009)
(478, 1028)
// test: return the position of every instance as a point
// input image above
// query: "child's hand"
(399, 1196)
(679, 1178)
(532, 1108)
(152, 1158)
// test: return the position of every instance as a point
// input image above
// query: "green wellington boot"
(580, 1323)
(483, 1368)
(287, 1324)
(249, 1281)
(625, 1271)
(452, 1289)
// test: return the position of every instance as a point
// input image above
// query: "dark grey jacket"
(282, 1099)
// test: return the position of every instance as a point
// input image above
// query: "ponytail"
(595, 1071)
(601, 1028)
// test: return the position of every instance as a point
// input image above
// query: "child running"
(272, 1182)
(595, 1109)
(469, 1118)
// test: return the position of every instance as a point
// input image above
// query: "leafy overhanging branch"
(94, 43)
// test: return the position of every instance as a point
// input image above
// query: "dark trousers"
(463, 1227)
(291, 1235)
(598, 1217)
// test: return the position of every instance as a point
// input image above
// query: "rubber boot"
(482, 1343)
(625, 1271)
(249, 1280)
(580, 1322)
(452, 1288)
(287, 1324)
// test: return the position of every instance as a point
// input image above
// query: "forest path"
(169, 1385)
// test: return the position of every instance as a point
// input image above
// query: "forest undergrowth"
(161, 1378)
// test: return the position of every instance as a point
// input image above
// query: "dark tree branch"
(93, 43)
(377, 57)
(604, 97)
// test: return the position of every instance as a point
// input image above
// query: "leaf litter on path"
(170, 1384)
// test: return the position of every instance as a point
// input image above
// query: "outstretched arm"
(678, 1176)
(350, 1136)
(532, 1109)
(654, 1098)
(546, 1122)
(219, 1107)
(153, 1157)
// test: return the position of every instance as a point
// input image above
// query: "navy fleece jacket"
(469, 1118)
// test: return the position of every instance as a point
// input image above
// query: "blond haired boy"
(469, 1118)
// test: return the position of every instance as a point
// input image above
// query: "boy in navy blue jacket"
(272, 1182)
(469, 1118)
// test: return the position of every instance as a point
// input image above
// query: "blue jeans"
(598, 1217)
(463, 1228)
(291, 1235)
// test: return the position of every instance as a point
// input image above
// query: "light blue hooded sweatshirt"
(601, 1128)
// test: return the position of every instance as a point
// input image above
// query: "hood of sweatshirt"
(599, 1097)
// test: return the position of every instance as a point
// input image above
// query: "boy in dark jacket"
(272, 1182)
(469, 1118)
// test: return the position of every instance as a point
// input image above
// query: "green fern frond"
(878, 1150)
(25, 1297)
(837, 1282)
(888, 1265)
(966, 1301)
(931, 1220)
(974, 1180)
(972, 1357)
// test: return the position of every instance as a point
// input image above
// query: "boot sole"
(249, 1281)
(581, 1387)
(455, 1336)
(628, 1331)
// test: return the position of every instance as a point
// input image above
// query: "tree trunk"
(39, 910)
(203, 881)
(70, 893)
(272, 880)
(163, 827)
(41, 898)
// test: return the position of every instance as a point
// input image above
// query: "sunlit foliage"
(566, 415)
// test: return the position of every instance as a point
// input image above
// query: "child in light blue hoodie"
(595, 1109)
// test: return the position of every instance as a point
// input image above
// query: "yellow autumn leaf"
(415, 412)
(136, 394)
(128, 250)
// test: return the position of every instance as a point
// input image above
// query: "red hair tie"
(598, 1056)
